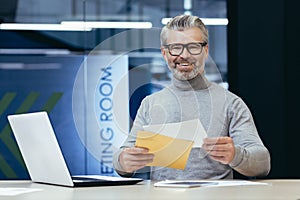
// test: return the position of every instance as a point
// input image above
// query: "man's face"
(185, 66)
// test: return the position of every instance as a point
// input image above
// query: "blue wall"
(34, 83)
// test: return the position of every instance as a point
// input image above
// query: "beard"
(187, 75)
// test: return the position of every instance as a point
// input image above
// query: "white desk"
(277, 189)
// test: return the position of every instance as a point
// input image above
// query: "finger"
(133, 163)
(130, 155)
(218, 153)
(217, 147)
(136, 150)
(138, 157)
(217, 140)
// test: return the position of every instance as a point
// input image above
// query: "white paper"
(183, 183)
(11, 191)
(235, 183)
(188, 130)
(204, 183)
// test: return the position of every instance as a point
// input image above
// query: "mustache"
(179, 60)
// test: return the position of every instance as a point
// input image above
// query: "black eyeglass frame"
(185, 46)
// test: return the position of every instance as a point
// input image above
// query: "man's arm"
(128, 159)
(220, 149)
(251, 156)
(243, 149)
(249, 161)
(131, 159)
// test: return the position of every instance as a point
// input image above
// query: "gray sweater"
(221, 113)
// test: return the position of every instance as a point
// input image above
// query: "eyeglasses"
(193, 48)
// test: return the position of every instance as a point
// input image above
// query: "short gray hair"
(183, 22)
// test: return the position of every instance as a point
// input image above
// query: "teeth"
(184, 64)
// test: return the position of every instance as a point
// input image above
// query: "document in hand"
(187, 130)
(168, 151)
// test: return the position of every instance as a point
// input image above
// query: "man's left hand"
(220, 148)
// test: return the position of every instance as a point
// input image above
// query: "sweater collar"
(198, 83)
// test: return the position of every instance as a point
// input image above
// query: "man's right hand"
(134, 158)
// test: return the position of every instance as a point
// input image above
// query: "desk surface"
(277, 189)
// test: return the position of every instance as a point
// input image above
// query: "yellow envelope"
(168, 151)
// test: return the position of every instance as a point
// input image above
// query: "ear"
(206, 51)
(163, 52)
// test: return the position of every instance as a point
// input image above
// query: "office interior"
(253, 53)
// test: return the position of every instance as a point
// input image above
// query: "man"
(232, 142)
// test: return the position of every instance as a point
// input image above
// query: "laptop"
(43, 157)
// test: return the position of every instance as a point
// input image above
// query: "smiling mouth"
(185, 67)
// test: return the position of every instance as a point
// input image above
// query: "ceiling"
(54, 11)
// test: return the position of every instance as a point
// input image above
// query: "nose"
(185, 53)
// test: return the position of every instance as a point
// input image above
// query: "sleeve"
(138, 123)
(251, 156)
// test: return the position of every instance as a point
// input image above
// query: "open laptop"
(43, 157)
